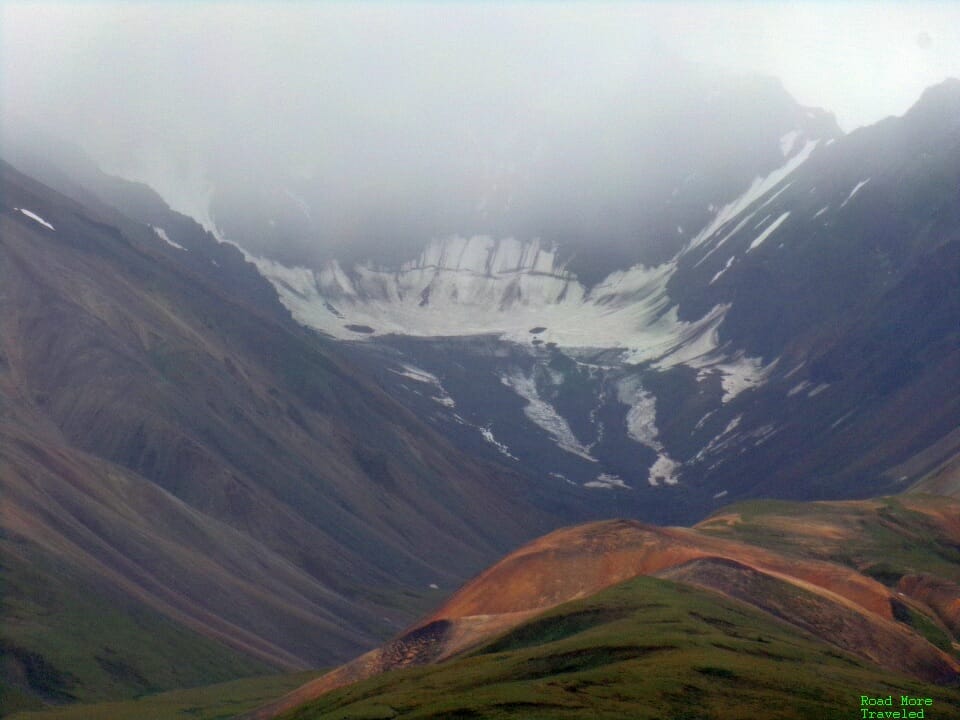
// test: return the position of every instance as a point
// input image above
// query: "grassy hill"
(212, 702)
(764, 610)
(647, 648)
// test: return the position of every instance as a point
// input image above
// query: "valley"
(352, 370)
(741, 614)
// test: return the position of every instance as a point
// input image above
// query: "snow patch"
(841, 419)
(723, 269)
(162, 234)
(720, 441)
(729, 439)
(818, 389)
(726, 237)
(704, 419)
(642, 428)
(757, 189)
(487, 434)
(642, 415)
(769, 231)
(855, 190)
(795, 370)
(607, 481)
(788, 141)
(777, 194)
(737, 373)
(544, 415)
(422, 376)
(732, 425)
(664, 470)
(35, 217)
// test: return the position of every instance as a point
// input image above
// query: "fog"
(377, 122)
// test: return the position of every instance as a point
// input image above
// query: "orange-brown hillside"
(829, 600)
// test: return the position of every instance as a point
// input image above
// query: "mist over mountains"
(365, 131)
(612, 181)
(307, 316)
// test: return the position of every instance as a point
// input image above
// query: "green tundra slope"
(212, 702)
(647, 648)
(767, 609)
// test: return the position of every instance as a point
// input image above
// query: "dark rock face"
(841, 279)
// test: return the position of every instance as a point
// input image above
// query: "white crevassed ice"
(478, 286)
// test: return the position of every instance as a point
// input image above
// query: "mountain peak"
(940, 100)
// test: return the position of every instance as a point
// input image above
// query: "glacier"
(522, 292)
(480, 285)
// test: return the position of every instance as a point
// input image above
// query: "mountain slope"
(855, 296)
(797, 340)
(556, 591)
(205, 463)
(647, 648)
(175, 442)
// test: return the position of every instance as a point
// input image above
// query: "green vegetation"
(553, 628)
(66, 640)
(645, 649)
(931, 631)
(13, 700)
(885, 543)
(213, 702)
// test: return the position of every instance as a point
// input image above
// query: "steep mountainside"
(733, 623)
(214, 484)
(801, 341)
(244, 493)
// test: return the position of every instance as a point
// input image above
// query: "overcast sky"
(351, 83)
(861, 60)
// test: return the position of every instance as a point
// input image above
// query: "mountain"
(217, 464)
(742, 613)
(194, 486)
(794, 338)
